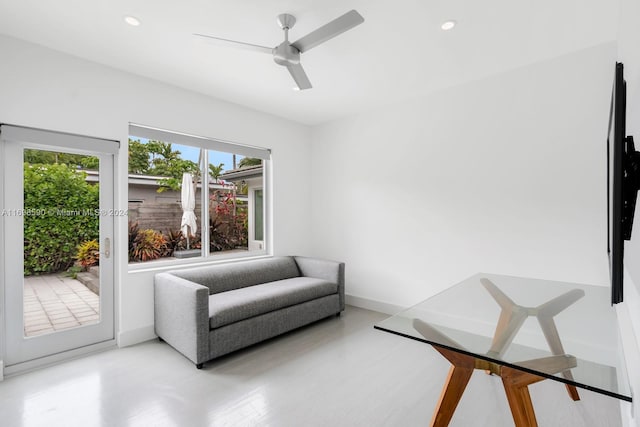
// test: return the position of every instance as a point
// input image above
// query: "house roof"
(148, 180)
(247, 172)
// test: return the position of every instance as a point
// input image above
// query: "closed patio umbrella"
(188, 202)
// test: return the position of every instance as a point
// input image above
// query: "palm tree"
(215, 171)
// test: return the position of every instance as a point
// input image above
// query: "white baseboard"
(373, 305)
(136, 336)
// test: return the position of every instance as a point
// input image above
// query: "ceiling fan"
(288, 54)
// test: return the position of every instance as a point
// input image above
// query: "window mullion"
(204, 170)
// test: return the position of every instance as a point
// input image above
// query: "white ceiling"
(398, 53)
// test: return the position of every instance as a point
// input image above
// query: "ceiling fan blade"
(236, 44)
(329, 31)
(298, 74)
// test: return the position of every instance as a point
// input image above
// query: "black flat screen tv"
(623, 182)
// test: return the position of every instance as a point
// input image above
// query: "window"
(194, 197)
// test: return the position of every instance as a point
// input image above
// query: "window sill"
(171, 264)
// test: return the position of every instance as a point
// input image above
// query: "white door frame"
(19, 353)
(2, 240)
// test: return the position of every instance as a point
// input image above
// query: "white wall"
(503, 175)
(629, 311)
(43, 88)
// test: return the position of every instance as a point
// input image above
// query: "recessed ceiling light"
(132, 20)
(295, 88)
(448, 25)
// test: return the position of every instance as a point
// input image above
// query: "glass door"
(58, 238)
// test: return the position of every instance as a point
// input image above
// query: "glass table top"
(517, 321)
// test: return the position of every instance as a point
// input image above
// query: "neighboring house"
(161, 211)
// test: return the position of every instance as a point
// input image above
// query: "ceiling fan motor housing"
(285, 54)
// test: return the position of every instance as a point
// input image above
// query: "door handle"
(107, 247)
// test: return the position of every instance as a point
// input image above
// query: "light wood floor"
(337, 372)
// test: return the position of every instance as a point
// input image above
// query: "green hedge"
(59, 214)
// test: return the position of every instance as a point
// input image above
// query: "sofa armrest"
(331, 271)
(181, 310)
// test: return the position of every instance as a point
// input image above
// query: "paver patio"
(54, 302)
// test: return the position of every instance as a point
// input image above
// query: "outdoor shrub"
(194, 242)
(59, 208)
(133, 233)
(88, 254)
(148, 245)
(73, 271)
(175, 241)
(227, 222)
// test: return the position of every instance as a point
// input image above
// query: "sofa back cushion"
(225, 277)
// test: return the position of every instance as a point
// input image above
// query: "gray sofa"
(206, 312)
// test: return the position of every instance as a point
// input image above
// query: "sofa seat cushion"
(239, 304)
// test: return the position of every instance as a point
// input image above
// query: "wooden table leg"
(573, 391)
(462, 367)
(516, 386)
